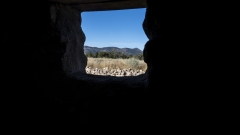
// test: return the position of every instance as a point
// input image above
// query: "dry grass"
(116, 63)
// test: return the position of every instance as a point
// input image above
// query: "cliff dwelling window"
(114, 42)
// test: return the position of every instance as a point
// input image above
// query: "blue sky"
(115, 28)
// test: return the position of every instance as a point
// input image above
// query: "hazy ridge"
(127, 51)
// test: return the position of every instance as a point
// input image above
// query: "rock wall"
(49, 86)
(172, 56)
(67, 22)
(53, 87)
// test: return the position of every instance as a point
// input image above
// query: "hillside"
(127, 51)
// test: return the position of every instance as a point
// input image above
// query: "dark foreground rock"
(48, 88)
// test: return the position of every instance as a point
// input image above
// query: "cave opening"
(114, 42)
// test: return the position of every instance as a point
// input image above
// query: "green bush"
(132, 63)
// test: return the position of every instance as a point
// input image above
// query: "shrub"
(133, 63)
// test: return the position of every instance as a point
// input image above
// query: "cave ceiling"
(103, 5)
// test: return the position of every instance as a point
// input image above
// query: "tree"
(130, 56)
(139, 56)
(124, 56)
(103, 55)
(89, 54)
(95, 55)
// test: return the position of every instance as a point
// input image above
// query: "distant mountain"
(127, 51)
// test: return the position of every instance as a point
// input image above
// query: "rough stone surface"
(54, 90)
(67, 21)
(48, 88)
(100, 5)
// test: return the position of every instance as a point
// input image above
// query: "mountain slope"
(127, 51)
